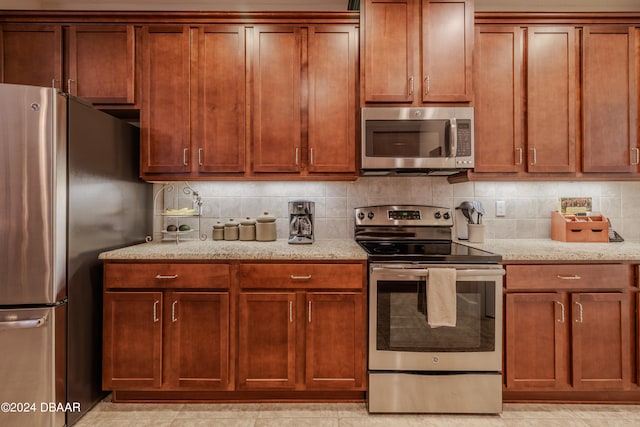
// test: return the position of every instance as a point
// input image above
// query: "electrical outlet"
(501, 208)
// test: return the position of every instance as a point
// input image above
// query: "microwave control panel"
(464, 138)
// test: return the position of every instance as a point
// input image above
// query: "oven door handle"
(424, 272)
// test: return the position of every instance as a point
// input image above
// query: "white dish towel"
(441, 297)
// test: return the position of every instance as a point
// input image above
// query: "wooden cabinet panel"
(267, 345)
(132, 340)
(219, 118)
(31, 55)
(167, 275)
(198, 336)
(551, 99)
(610, 99)
(301, 276)
(335, 343)
(102, 63)
(447, 38)
(499, 139)
(276, 99)
(568, 276)
(333, 59)
(165, 113)
(601, 356)
(390, 41)
(536, 360)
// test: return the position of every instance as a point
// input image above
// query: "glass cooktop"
(427, 251)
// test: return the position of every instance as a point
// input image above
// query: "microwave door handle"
(453, 137)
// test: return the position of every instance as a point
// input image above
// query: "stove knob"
(370, 215)
(361, 215)
(437, 215)
(446, 215)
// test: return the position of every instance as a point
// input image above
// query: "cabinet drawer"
(168, 275)
(568, 276)
(327, 276)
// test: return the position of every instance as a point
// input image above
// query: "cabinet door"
(539, 360)
(333, 58)
(498, 99)
(219, 118)
(31, 55)
(132, 340)
(267, 347)
(390, 40)
(164, 117)
(447, 43)
(609, 99)
(102, 63)
(335, 341)
(198, 334)
(601, 341)
(551, 99)
(276, 98)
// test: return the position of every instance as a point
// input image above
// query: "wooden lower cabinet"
(571, 337)
(270, 327)
(234, 331)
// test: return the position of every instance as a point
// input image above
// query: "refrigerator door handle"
(23, 324)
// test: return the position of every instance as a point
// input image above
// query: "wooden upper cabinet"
(102, 63)
(551, 99)
(165, 113)
(390, 40)
(498, 79)
(610, 99)
(219, 99)
(31, 55)
(276, 98)
(333, 59)
(447, 44)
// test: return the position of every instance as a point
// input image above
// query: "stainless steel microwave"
(428, 140)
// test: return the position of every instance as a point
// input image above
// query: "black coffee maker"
(301, 221)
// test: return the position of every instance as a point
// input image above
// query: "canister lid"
(248, 221)
(218, 225)
(265, 217)
(231, 223)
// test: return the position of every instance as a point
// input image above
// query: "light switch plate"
(501, 208)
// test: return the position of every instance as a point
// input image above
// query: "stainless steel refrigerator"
(71, 190)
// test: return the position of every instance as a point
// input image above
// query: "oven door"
(400, 338)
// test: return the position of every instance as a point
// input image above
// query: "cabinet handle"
(168, 277)
(411, 86)
(311, 156)
(69, 86)
(173, 311)
(290, 311)
(200, 156)
(534, 157)
(637, 156)
(561, 311)
(53, 83)
(519, 149)
(184, 157)
(155, 312)
(307, 277)
(427, 81)
(572, 277)
(309, 310)
(297, 156)
(579, 319)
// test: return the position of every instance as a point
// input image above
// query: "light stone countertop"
(553, 250)
(239, 250)
(526, 250)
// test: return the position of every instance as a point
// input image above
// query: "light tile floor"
(107, 414)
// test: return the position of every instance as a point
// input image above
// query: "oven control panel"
(412, 215)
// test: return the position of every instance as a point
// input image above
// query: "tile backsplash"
(528, 204)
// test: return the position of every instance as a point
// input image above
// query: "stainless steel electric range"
(435, 314)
